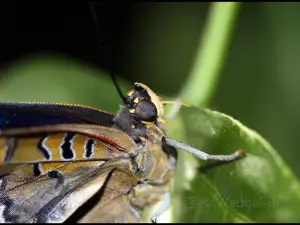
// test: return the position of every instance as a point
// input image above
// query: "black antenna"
(112, 74)
(124, 99)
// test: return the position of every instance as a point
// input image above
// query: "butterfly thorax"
(140, 119)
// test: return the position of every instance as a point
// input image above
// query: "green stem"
(202, 81)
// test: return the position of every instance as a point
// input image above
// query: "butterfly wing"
(33, 199)
(41, 190)
(16, 114)
(63, 142)
(115, 205)
(39, 181)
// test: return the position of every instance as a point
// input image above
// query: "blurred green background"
(258, 84)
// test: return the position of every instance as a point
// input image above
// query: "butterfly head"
(144, 104)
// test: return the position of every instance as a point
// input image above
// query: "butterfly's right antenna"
(112, 74)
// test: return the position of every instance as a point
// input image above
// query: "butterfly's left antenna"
(124, 99)
(112, 74)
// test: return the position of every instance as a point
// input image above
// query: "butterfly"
(63, 162)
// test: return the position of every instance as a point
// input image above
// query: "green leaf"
(257, 188)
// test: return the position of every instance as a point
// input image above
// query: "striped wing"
(63, 142)
(49, 169)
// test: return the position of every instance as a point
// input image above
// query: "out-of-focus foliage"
(59, 79)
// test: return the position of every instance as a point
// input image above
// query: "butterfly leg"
(162, 208)
(202, 155)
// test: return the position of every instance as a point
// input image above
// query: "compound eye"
(146, 111)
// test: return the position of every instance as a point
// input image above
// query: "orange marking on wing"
(99, 149)
(78, 144)
(53, 143)
(27, 150)
(111, 136)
